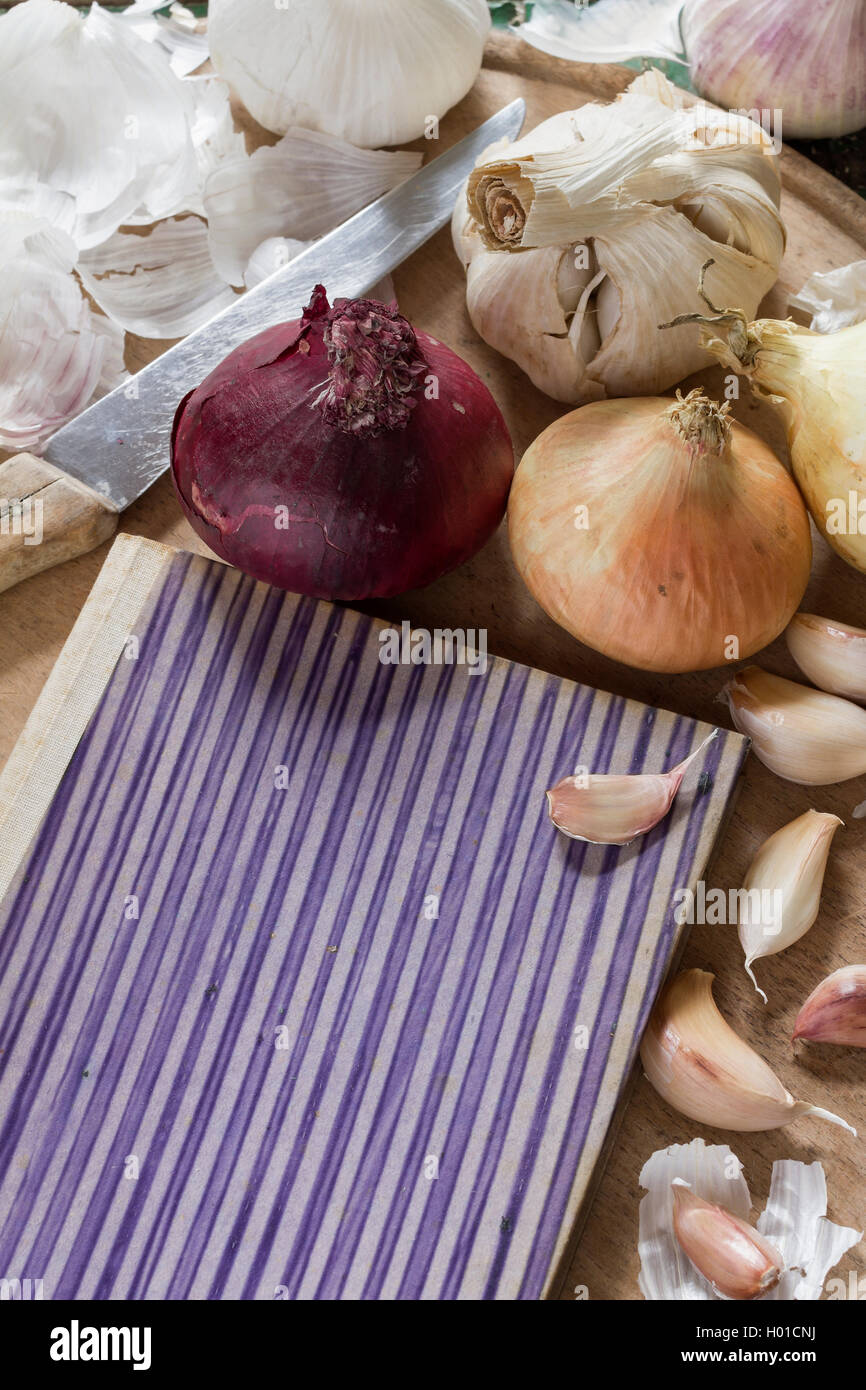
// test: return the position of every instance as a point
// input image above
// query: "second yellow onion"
(660, 532)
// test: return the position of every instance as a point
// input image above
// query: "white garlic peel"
(618, 191)
(801, 734)
(297, 189)
(831, 654)
(834, 298)
(705, 1070)
(804, 59)
(794, 1221)
(374, 73)
(781, 892)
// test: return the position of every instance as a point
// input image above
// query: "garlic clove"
(802, 735)
(614, 808)
(781, 891)
(725, 1249)
(835, 1011)
(701, 1067)
(831, 654)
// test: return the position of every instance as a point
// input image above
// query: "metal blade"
(119, 446)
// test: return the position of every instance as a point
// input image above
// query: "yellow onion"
(816, 381)
(660, 532)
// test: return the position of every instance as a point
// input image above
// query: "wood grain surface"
(826, 227)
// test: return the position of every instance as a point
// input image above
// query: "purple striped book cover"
(301, 995)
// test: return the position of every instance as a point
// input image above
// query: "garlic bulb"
(781, 892)
(701, 1067)
(376, 73)
(800, 734)
(835, 1011)
(802, 59)
(660, 532)
(613, 809)
(614, 209)
(816, 381)
(830, 653)
(725, 1249)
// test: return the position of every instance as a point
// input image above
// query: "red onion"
(343, 455)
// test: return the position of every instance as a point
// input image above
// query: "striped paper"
(301, 994)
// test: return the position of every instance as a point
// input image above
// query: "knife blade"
(119, 445)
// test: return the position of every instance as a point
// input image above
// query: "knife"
(90, 470)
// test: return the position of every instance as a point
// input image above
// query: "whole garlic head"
(373, 73)
(584, 236)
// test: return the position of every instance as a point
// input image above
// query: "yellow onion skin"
(681, 547)
(817, 380)
(805, 58)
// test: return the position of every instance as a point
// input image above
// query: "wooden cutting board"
(827, 227)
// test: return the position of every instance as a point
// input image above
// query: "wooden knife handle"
(46, 517)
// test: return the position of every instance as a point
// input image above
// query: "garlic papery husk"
(300, 188)
(636, 195)
(731, 1255)
(830, 653)
(163, 285)
(180, 33)
(660, 532)
(56, 354)
(611, 809)
(377, 73)
(781, 893)
(127, 150)
(800, 734)
(816, 381)
(804, 60)
(794, 1222)
(834, 298)
(835, 1011)
(611, 31)
(701, 1067)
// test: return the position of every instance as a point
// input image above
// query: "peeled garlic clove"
(781, 892)
(800, 734)
(701, 1067)
(726, 1250)
(831, 654)
(613, 809)
(835, 1012)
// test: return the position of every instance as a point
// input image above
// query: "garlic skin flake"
(701, 1067)
(163, 285)
(830, 653)
(133, 153)
(800, 734)
(300, 188)
(623, 192)
(56, 354)
(786, 877)
(834, 298)
(835, 1011)
(794, 1222)
(613, 809)
(732, 1256)
(374, 73)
